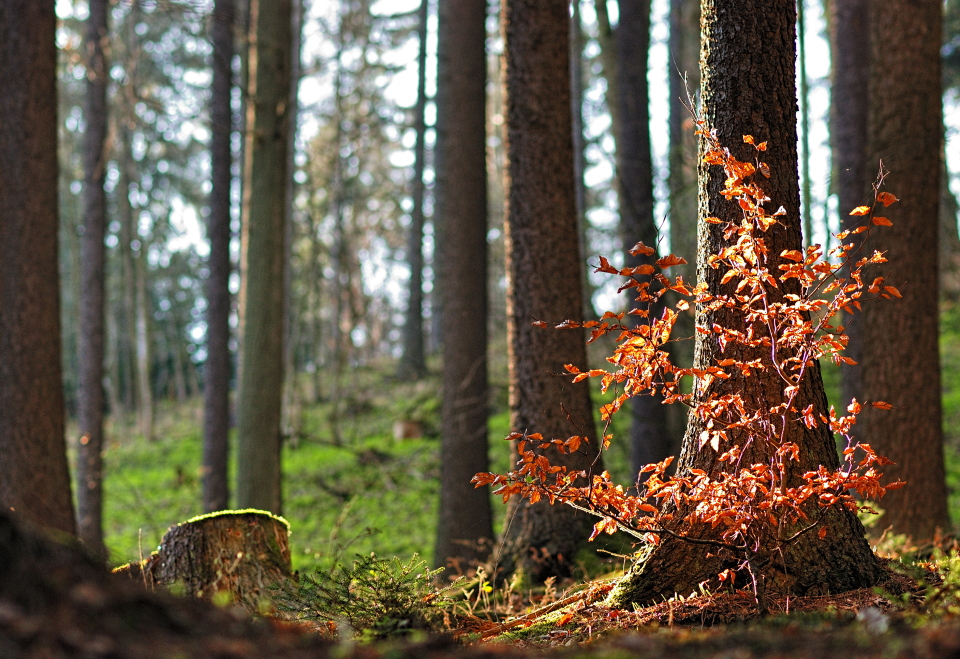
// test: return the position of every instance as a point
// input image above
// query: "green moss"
(246, 511)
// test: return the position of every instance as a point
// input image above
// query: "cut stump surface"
(241, 553)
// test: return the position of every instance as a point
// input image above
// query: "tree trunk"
(262, 264)
(579, 150)
(850, 103)
(92, 284)
(806, 205)
(413, 362)
(543, 275)
(606, 38)
(650, 439)
(749, 87)
(290, 407)
(900, 362)
(465, 517)
(34, 480)
(241, 553)
(216, 390)
(684, 77)
(145, 392)
(949, 239)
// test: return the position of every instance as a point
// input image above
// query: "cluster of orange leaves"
(754, 508)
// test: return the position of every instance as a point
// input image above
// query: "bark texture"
(748, 85)
(466, 521)
(241, 553)
(900, 361)
(34, 481)
(850, 105)
(92, 284)
(216, 391)
(650, 439)
(262, 264)
(543, 275)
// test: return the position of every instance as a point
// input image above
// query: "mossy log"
(236, 553)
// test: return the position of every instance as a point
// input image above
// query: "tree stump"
(241, 553)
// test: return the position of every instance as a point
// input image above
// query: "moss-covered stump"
(234, 554)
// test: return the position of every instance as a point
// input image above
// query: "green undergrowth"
(339, 486)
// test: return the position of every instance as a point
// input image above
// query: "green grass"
(334, 493)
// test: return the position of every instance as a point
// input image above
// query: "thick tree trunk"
(241, 553)
(850, 104)
(216, 391)
(650, 439)
(748, 87)
(413, 362)
(543, 275)
(900, 361)
(92, 285)
(466, 520)
(34, 480)
(262, 264)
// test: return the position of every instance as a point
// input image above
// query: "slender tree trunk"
(145, 392)
(749, 87)
(900, 361)
(606, 37)
(262, 264)
(216, 391)
(650, 439)
(806, 207)
(413, 362)
(34, 480)
(949, 239)
(684, 81)
(850, 103)
(543, 275)
(466, 520)
(439, 197)
(292, 317)
(92, 285)
(579, 147)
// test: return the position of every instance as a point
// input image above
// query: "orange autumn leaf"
(860, 210)
(886, 199)
(670, 260)
(882, 221)
(641, 249)
(564, 619)
(880, 405)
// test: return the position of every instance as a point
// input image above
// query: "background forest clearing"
(332, 493)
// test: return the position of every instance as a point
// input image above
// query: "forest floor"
(55, 602)
(352, 487)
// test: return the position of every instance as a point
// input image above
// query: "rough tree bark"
(262, 265)
(748, 86)
(34, 480)
(543, 275)
(465, 517)
(850, 104)
(900, 361)
(413, 362)
(92, 284)
(650, 439)
(242, 553)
